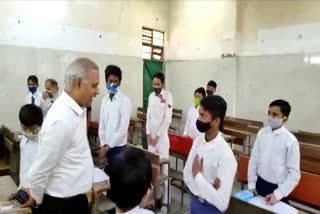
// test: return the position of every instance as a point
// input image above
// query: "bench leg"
(182, 193)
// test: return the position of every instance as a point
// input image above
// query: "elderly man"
(63, 170)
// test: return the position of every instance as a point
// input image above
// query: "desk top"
(7, 187)
(236, 206)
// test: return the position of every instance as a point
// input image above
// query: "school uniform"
(113, 127)
(274, 165)
(159, 116)
(138, 210)
(190, 128)
(49, 101)
(38, 100)
(218, 162)
(28, 153)
(63, 170)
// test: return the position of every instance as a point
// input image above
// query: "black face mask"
(157, 90)
(209, 92)
(203, 127)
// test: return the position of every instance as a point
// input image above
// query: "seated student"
(31, 119)
(34, 96)
(130, 181)
(274, 166)
(210, 158)
(190, 128)
(211, 87)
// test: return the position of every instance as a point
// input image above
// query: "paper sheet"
(99, 175)
(280, 207)
(6, 209)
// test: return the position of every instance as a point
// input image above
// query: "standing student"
(159, 116)
(34, 96)
(130, 181)
(190, 128)
(210, 159)
(114, 118)
(211, 87)
(63, 170)
(274, 166)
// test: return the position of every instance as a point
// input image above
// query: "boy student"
(211, 87)
(274, 166)
(209, 160)
(130, 181)
(34, 96)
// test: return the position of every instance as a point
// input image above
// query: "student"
(114, 118)
(211, 87)
(52, 92)
(130, 181)
(159, 115)
(190, 128)
(34, 96)
(31, 119)
(274, 166)
(210, 158)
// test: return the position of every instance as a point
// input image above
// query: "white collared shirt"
(114, 120)
(63, 166)
(190, 128)
(275, 158)
(218, 162)
(50, 101)
(159, 114)
(38, 101)
(28, 153)
(138, 210)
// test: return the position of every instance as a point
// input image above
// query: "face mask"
(203, 127)
(274, 123)
(157, 90)
(31, 135)
(196, 101)
(209, 92)
(112, 88)
(32, 89)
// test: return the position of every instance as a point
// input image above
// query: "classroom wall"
(43, 37)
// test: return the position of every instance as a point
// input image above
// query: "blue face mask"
(32, 89)
(112, 88)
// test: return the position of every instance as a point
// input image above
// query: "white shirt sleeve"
(53, 142)
(168, 116)
(253, 164)
(187, 172)
(226, 173)
(293, 177)
(148, 125)
(101, 124)
(122, 132)
(186, 127)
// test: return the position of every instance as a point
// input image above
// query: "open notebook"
(280, 207)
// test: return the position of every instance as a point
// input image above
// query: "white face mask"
(31, 135)
(275, 123)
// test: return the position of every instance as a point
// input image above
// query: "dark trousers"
(265, 188)
(111, 156)
(198, 207)
(53, 205)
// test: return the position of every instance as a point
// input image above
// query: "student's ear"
(77, 83)
(285, 119)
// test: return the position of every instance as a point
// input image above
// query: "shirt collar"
(134, 210)
(72, 103)
(214, 141)
(117, 95)
(280, 130)
(161, 93)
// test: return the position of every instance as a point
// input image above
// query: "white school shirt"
(50, 101)
(275, 158)
(63, 166)
(159, 114)
(190, 128)
(38, 100)
(138, 210)
(28, 153)
(218, 161)
(114, 120)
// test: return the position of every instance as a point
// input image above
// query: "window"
(152, 44)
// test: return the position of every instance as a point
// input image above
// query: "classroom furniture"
(237, 206)
(175, 125)
(140, 122)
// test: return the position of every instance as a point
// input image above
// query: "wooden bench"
(176, 121)
(307, 138)
(310, 157)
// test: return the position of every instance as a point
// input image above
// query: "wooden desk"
(7, 187)
(237, 206)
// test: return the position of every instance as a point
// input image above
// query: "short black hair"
(30, 115)
(113, 70)
(212, 83)
(53, 82)
(130, 178)
(33, 78)
(200, 91)
(285, 107)
(216, 106)
(159, 76)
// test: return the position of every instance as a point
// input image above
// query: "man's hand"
(216, 183)
(103, 154)
(197, 166)
(31, 201)
(254, 191)
(271, 199)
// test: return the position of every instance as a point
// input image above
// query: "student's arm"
(101, 124)
(53, 142)
(226, 173)
(253, 164)
(185, 132)
(187, 171)
(122, 132)
(148, 125)
(293, 165)
(168, 116)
